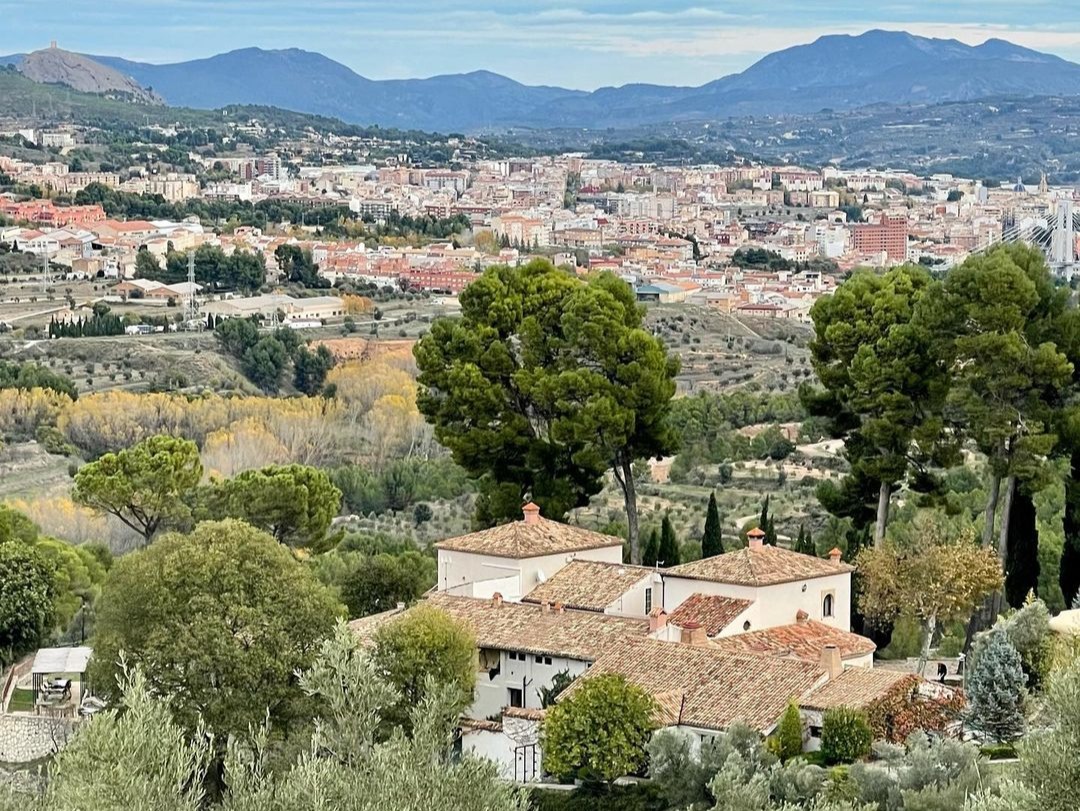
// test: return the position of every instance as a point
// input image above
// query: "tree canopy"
(544, 383)
(934, 571)
(143, 485)
(220, 619)
(294, 503)
(425, 647)
(599, 731)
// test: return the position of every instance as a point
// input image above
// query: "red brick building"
(888, 235)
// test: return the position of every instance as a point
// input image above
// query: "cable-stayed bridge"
(1055, 233)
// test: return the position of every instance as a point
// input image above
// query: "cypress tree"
(803, 544)
(766, 524)
(995, 688)
(712, 542)
(669, 546)
(652, 549)
(1069, 576)
(1022, 551)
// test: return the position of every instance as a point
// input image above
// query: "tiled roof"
(588, 584)
(712, 612)
(858, 688)
(365, 627)
(522, 539)
(582, 635)
(762, 566)
(706, 687)
(801, 640)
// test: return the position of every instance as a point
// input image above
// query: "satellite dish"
(540, 576)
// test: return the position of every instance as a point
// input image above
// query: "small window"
(547, 660)
(827, 606)
(648, 600)
(746, 625)
(514, 697)
(538, 659)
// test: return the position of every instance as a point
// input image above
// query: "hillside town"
(676, 234)
(518, 442)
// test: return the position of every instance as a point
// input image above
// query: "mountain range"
(838, 72)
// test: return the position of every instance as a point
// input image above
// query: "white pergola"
(55, 661)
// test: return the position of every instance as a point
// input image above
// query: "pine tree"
(996, 690)
(652, 549)
(712, 542)
(669, 546)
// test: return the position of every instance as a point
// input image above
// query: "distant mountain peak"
(836, 71)
(54, 65)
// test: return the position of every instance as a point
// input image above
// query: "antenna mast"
(191, 307)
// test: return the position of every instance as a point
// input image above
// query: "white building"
(777, 582)
(513, 558)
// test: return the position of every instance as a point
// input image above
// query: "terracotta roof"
(365, 627)
(479, 725)
(858, 688)
(524, 712)
(706, 687)
(800, 640)
(762, 566)
(523, 539)
(582, 635)
(588, 584)
(713, 612)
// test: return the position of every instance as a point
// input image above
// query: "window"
(827, 606)
(542, 660)
(514, 656)
(648, 600)
(514, 697)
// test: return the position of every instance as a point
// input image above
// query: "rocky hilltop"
(56, 66)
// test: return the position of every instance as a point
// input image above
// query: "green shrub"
(789, 733)
(640, 797)
(952, 641)
(845, 736)
(906, 640)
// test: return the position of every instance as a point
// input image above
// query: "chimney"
(496, 599)
(532, 513)
(694, 634)
(835, 554)
(657, 619)
(830, 660)
(756, 538)
(801, 616)
(558, 607)
(545, 607)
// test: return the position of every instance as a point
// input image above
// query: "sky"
(584, 44)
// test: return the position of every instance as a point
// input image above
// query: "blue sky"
(573, 44)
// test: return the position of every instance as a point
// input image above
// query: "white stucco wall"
(515, 749)
(632, 602)
(491, 695)
(773, 605)
(458, 569)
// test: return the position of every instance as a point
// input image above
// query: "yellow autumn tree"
(61, 517)
(246, 444)
(359, 384)
(357, 305)
(23, 411)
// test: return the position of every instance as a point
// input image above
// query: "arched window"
(827, 606)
